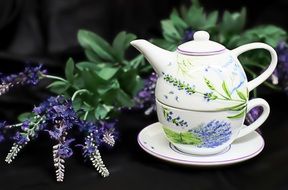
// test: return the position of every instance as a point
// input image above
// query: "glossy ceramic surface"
(152, 140)
(204, 133)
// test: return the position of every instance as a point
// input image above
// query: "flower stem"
(53, 77)
(86, 115)
(15, 125)
(79, 92)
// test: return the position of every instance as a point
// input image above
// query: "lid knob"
(201, 36)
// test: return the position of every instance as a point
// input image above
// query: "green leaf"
(130, 82)
(242, 95)
(233, 22)
(77, 103)
(87, 66)
(101, 48)
(103, 89)
(121, 42)
(58, 87)
(24, 116)
(195, 17)
(102, 111)
(212, 19)
(123, 99)
(87, 107)
(169, 31)
(92, 56)
(107, 73)
(225, 89)
(178, 22)
(91, 81)
(69, 70)
(269, 34)
(238, 115)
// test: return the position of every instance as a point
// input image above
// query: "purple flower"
(21, 138)
(253, 115)
(188, 35)
(90, 146)
(56, 133)
(3, 124)
(30, 76)
(145, 99)
(56, 109)
(25, 125)
(280, 75)
(64, 150)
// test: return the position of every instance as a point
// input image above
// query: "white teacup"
(206, 132)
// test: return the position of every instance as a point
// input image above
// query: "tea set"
(202, 97)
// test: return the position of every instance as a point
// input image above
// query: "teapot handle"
(261, 78)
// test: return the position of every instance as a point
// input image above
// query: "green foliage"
(97, 50)
(105, 82)
(228, 29)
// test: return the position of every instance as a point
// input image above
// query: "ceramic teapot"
(202, 74)
(202, 93)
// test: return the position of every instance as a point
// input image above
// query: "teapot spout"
(157, 57)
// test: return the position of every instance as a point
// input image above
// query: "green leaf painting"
(182, 138)
(225, 89)
(209, 84)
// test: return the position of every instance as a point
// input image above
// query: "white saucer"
(152, 140)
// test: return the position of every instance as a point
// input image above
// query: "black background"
(44, 31)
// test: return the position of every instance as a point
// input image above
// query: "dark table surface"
(132, 168)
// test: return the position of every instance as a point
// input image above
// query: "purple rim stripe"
(198, 162)
(200, 53)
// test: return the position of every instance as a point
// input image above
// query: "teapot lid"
(201, 45)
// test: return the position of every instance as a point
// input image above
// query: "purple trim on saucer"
(200, 53)
(167, 158)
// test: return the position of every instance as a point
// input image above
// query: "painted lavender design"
(213, 94)
(213, 134)
(208, 135)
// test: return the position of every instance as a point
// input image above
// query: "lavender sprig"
(30, 131)
(98, 134)
(145, 99)
(61, 150)
(30, 76)
(58, 163)
(57, 117)
(91, 151)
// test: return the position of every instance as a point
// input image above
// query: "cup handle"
(261, 78)
(266, 110)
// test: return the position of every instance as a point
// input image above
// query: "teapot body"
(202, 83)
(202, 93)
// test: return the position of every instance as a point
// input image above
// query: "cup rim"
(184, 109)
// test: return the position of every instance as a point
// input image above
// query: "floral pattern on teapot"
(231, 89)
